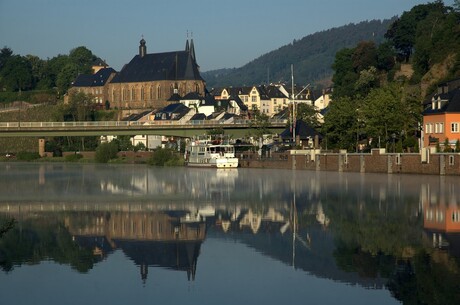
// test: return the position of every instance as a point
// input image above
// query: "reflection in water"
(399, 233)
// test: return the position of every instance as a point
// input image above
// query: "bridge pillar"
(41, 147)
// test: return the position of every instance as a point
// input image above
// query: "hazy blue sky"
(226, 33)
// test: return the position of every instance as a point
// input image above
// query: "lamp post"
(393, 135)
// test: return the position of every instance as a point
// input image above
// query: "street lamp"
(393, 135)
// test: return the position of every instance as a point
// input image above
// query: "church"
(149, 80)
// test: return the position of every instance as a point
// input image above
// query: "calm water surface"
(122, 234)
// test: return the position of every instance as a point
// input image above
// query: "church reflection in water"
(167, 239)
(375, 231)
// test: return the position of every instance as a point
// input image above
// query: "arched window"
(158, 92)
(197, 88)
(142, 94)
(123, 94)
(171, 89)
(133, 94)
(151, 93)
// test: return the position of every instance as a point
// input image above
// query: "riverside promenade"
(377, 161)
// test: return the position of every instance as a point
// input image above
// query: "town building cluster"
(168, 86)
(159, 82)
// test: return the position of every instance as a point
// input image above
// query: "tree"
(344, 76)
(79, 107)
(446, 145)
(106, 152)
(16, 74)
(402, 33)
(367, 80)
(384, 113)
(260, 124)
(340, 124)
(308, 114)
(385, 57)
(124, 143)
(5, 54)
(83, 59)
(457, 5)
(364, 56)
(66, 76)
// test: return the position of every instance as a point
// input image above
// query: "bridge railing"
(16, 125)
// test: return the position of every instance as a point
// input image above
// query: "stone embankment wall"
(378, 161)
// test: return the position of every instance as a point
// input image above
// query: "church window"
(133, 94)
(158, 92)
(197, 88)
(151, 92)
(124, 94)
(142, 94)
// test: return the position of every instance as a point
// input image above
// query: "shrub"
(73, 158)
(106, 151)
(165, 157)
(27, 156)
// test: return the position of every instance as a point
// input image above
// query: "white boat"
(210, 152)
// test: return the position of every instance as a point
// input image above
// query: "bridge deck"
(95, 128)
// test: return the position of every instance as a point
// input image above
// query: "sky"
(226, 33)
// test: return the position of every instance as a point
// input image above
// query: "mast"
(293, 105)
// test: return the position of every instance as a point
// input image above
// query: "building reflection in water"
(170, 239)
(441, 216)
(330, 225)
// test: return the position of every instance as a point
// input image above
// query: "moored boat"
(210, 151)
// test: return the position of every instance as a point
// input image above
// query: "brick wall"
(378, 161)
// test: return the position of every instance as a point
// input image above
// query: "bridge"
(98, 128)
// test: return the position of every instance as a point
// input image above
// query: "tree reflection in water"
(375, 231)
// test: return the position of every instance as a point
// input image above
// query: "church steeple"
(192, 49)
(142, 48)
(187, 46)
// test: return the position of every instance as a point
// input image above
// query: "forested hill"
(312, 57)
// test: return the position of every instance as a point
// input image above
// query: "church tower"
(142, 48)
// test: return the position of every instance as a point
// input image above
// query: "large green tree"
(340, 126)
(16, 74)
(390, 114)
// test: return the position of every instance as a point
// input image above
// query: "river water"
(124, 234)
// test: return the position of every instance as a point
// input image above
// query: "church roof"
(93, 80)
(178, 65)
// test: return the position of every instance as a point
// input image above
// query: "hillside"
(312, 57)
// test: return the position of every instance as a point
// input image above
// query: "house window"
(254, 99)
(429, 128)
(439, 128)
(454, 128)
(456, 216)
